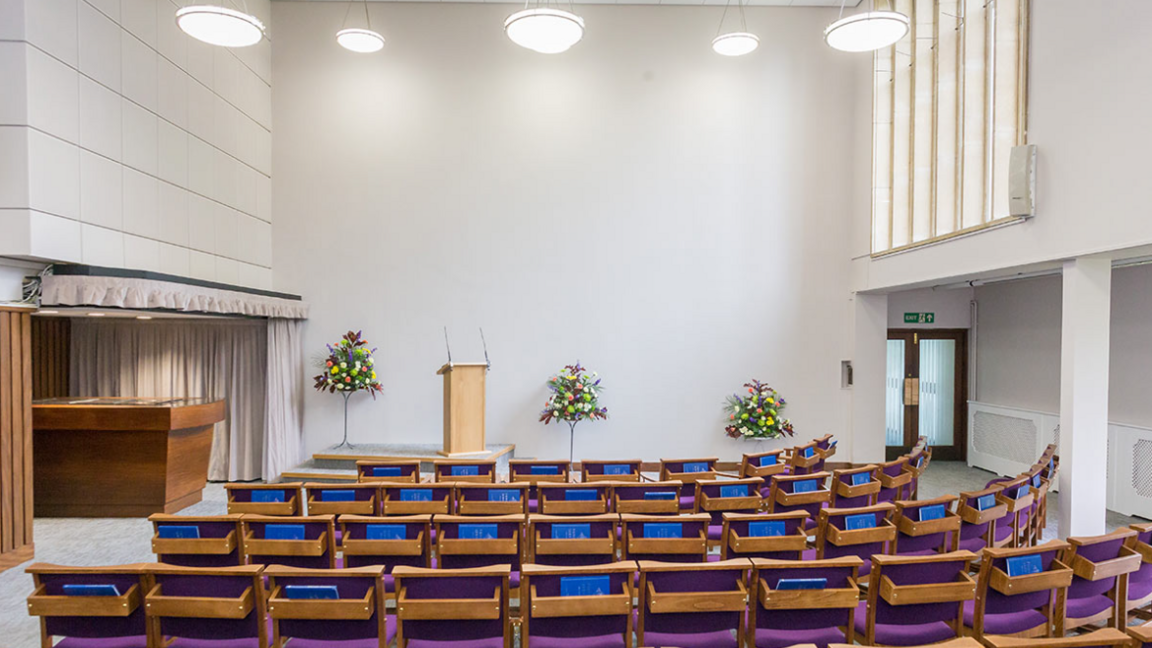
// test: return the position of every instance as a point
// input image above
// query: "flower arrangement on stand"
(347, 369)
(575, 397)
(757, 414)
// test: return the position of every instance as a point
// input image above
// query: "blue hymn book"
(804, 486)
(659, 495)
(571, 531)
(465, 471)
(617, 469)
(337, 495)
(861, 478)
(181, 532)
(696, 467)
(385, 532)
(734, 490)
(985, 502)
(544, 470)
(503, 495)
(580, 495)
(934, 512)
(584, 586)
(861, 521)
(283, 531)
(766, 529)
(415, 494)
(267, 496)
(1024, 565)
(311, 592)
(802, 584)
(386, 471)
(91, 590)
(663, 530)
(769, 460)
(477, 532)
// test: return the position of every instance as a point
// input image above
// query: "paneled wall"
(51, 345)
(15, 437)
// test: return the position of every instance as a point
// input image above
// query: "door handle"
(911, 391)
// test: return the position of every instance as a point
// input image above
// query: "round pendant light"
(219, 25)
(364, 41)
(548, 31)
(867, 32)
(735, 43)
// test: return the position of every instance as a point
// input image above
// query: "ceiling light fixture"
(737, 43)
(355, 39)
(143, 317)
(221, 26)
(95, 314)
(544, 30)
(868, 31)
(47, 312)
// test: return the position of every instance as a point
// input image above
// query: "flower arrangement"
(575, 397)
(347, 369)
(757, 415)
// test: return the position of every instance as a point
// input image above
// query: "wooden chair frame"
(991, 516)
(451, 609)
(1103, 637)
(576, 606)
(159, 606)
(735, 600)
(563, 477)
(963, 589)
(421, 545)
(1141, 635)
(413, 478)
(776, 496)
(704, 504)
(313, 547)
(826, 533)
(293, 503)
(197, 546)
(390, 506)
(1055, 579)
(327, 609)
(45, 605)
(826, 599)
(1021, 530)
(949, 525)
(355, 507)
(537, 546)
(1136, 608)
(466, 547)
(484, 507)
(483, 478)
(585, 476)
(750, 464)
(798, 462)
(547, 505)
(901, 482)
(1126, 562)
(842, 489)
(650, 507)
(730, 541)
(655, 546)
(688, 478)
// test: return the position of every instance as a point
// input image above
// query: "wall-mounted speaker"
(1022, 181)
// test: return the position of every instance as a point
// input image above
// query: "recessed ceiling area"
(747, 3)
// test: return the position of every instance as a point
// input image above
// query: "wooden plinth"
(120, 461)
(463, 409)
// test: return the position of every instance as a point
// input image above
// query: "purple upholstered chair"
(804, 459)
(268, 541)
(202, 607)
(653, 498)
(333, 499)
(1022, 604)
(1141, 635)
(265, 499)
(1105, 638)
(1014, 530)
(716, 497)
(1100, 567)
(670, 538)
(575, 499)
(926, 527)
(980, 515)
(387, 542)
(354, 619)
(113, 620)
(416, 499)
(204, 541)
(688, 471)
(534, 471)
(480, 471)
(597, 619)
(807, 493)
(491, 499)
(389, 470)
(477, 548)
(430, 613)
(916, 600)
(918, 461)
(855, 487)
(572, 540)
(860, 532)
(825, 448)
(1140, 581)
(620, 470)
(667, 614)
(894, 479)
(763, 465)
(778, 536)
(785, 617)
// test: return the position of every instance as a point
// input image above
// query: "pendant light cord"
(743, 18)
(367, 18)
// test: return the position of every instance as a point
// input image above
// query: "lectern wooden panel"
(121, 457)
(463, 408)
(15, 437)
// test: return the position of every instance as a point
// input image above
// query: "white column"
(869, 359)
(1084, 395)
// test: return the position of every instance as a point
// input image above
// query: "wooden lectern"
(463, 408)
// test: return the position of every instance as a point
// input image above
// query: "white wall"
(126, 143)
(952, 307)
(656, 211)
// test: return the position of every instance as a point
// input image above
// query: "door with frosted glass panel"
(926, 392)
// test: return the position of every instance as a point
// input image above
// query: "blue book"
(181, 532)
(1022, 491)
(696, 467)
(503, 495)
(663, 530)
(580, 495)
(766, 529)
(861, 521)
(337, 495)
(1051, 467)
(584, 586)
(386, 471)
(769, 460)
(465, 471)
(477, 532)
(283, 531)
(385, 531)
(1024, 565)
(91, 590)
(804, 486)
(267, 496)
(859, 479)
(802, 584)
(1036, 480)
(415, 494)
(985, 502)
(617, 469)
(833, 444)
(734, 490)
(934, 512)
(571, 531)
(543, 470)
(327, 592)
(659, 495)
(809, 451)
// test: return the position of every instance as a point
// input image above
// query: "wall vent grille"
(1009, 437)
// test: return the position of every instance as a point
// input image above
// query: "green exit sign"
(919, 318)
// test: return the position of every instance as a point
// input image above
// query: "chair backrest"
(763, 464)
(452, 604)
(416, 499)
(859, 532)
(918, 590)
(855, 487)
(780, 536)
(980, 512)
(610, 469)
(356, 612)
(389, 470)
(65, 613)
(688, 470)
(574, 602)
(805, 459)
(197, 541)
(593, 498)
(1141, 635)
(999, 591)
(1098, 562)
(670, 538)
(1104, 638)
(926, 525)
(572, 540)
(534, 471)
(894, 479)
(717, 497)
(1017, 497)
(831, 605)
(271, 540)
(208, 602)
(465, 542)
(1141, 543)
(387, 541)
(491, 499)
(671, 593)
(480, 471)
(265, 499)
(361, 498)
(655, 498)
(798, 493)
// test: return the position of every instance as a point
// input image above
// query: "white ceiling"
(747, 3)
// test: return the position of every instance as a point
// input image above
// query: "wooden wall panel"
(51, 343)
(15, 437)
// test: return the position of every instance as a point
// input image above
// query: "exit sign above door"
(919, 318)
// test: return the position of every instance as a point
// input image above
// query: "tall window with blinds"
(949, 103)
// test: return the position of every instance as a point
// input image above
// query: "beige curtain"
(285, 389)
